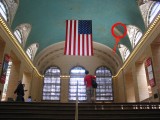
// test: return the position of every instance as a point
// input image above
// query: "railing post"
(76, 112)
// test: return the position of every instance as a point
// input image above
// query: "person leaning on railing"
(89, 89)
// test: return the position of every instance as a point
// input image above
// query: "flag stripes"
(78, 40)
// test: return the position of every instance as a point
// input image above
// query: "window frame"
(53, 81)
(81, 85)
(150, 14)
(4, 10)
(29, 52)
(18, 35)
(106, 76)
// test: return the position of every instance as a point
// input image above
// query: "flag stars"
(79, 38)
(85, 27)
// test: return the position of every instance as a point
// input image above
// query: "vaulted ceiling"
(48, 28)
(47, 18)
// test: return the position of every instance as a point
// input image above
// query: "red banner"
(150, 74)
(4, 68)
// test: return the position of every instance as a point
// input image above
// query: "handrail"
(76, 112)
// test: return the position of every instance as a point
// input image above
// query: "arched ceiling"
(54, 55)
(47, 18)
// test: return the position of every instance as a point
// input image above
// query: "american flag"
(78, 38)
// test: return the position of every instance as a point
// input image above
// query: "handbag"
(94, 83)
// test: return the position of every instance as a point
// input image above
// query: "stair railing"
(76, 112)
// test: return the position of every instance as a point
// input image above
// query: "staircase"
(119, 111)
(86, 111)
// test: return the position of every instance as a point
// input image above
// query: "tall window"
(137, 37)
(6, 82)
(124, 51)
(155, 10)
(3, 10)
(104, 91)
(18, 35)
(134, 34)
(76, 82)
(51, 88)
(29, 52)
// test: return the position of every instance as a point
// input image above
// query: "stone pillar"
(64, 89)
(2, 48)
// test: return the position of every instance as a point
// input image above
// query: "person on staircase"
(89, 89)
(20, 92)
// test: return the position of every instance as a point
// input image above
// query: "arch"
(124, 51)
(31, 50)
(51, 86)
(11, 7)
(119, 30)
(24, 29)
(55, 53)
(134, 34)
(154, 11)
(77, 80)
(104, 91)
(4, 10)
(147, 10)
(18, 35)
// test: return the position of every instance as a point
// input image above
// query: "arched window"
(155, 10)
(149, 9)
(32, 49)
(18, 35)
(124, 51)
(29, 52)
(51, 87)
(104, 91)
(3, 10)
(138, 36)
(76, 82)
(134, 34)
(6, 81)
(22, 32)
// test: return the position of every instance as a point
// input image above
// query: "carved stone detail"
(12, 8)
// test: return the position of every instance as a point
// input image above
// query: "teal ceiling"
(47, 18)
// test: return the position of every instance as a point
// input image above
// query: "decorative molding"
(12, 7)
(17, 45)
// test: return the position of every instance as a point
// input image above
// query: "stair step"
(86, 111)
